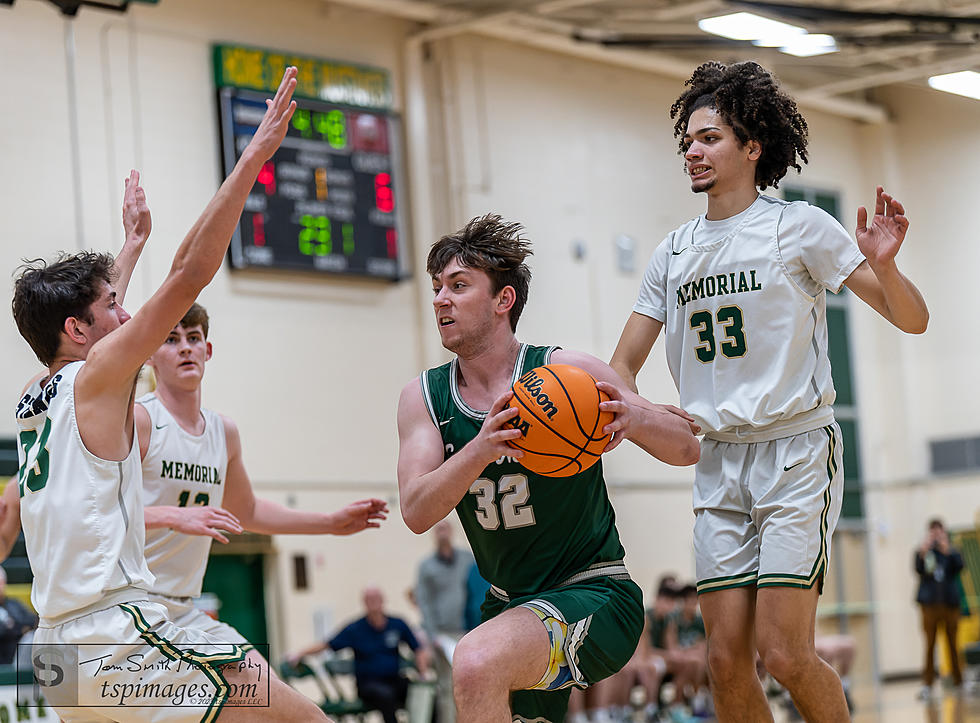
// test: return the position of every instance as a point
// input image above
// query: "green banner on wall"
(329, 80)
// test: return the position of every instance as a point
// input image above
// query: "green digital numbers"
(314, 237)
(733, 343)
(332, 125)
(347, 231)
(301, 122)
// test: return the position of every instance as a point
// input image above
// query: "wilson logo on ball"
(559, 419)
(532, 384)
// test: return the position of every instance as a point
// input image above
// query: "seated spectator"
(15, 620)
(649, 665)
(376, 639)
(688, 653)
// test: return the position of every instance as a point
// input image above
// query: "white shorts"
(128, 662)
(765, 511)
(182, 612)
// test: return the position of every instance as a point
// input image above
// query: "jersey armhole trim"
(424, 381)
(547, 355)
(782, 263)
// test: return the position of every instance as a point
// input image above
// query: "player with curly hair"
(741, 291)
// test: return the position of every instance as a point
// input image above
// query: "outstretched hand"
(275, 122)
(208, 521)
(358, 516)
(881, 241)
(135, 212)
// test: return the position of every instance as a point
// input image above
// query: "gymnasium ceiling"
(881, 42)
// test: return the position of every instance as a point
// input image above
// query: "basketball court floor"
(897, 703)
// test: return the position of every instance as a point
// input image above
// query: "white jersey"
(181, 470)
(82, 515)
(743, 302)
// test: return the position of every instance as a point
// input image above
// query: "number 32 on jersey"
(511, 508)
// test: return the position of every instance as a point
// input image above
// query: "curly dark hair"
(45, 294)
(493, 245)
(748, 97)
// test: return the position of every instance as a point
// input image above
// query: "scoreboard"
(327, 201)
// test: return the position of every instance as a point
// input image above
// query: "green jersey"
(528, 532)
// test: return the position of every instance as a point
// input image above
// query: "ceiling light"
(749, 26)
(965, 82)
(804, 46)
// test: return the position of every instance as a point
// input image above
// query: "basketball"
(559, 419)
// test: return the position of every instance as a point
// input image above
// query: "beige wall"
(580, 152)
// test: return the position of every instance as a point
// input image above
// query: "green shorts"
(594, 627)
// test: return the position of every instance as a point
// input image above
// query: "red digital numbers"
(267, 177)
(391, 236)
(258, 229)
(384, 198)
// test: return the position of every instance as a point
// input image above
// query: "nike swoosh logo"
(159, 426)
(443, 424)
(677, 253)
(787, 469)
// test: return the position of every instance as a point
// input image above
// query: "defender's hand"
(358, 516)
(207, 521)
(275, 122)
(135, 213)
(881, 241)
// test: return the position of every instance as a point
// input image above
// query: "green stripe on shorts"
(205, 663)
(728, 582)
(820, 564)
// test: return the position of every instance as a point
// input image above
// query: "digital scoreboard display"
(327, 200)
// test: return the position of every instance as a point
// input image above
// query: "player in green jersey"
(562, 610)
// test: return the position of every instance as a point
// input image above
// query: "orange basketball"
(560, 420)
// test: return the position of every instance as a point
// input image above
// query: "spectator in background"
(688, 653)
(938, 565)
(476, 593)
(609, 699)
(441, 587)
(376, 640)
(441, 593)
(15, 620)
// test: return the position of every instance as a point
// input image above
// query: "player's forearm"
(665, 436)
(126, 263)
(160, 516)
(271, 518)
(427, 499)
(906, 308)
(7, 541)
(623, 369)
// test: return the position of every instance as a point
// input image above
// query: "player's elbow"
(415, 518)
(416, 523)
(687, 453)
(918, 326)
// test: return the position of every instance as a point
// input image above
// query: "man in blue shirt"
(375, 640)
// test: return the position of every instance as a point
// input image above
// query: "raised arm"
(663, 431)
(114, 360)
(429, 488)
(270, 518)
(634, 346)
(877, 281)
(136, 227)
